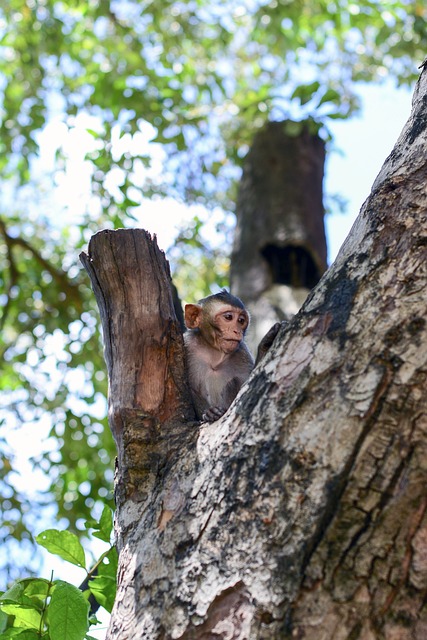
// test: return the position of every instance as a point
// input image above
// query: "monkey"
(219, 362)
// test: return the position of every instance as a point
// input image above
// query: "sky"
(365, 142)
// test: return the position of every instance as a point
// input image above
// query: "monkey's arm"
(230, 392)
(268, 340)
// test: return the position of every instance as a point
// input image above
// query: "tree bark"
(148, 396)
(302, 512)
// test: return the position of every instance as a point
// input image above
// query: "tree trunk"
(302, 512)
(279, 250)
(148, 396)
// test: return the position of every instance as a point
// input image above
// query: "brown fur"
(219, 361)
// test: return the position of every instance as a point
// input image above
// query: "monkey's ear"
(193, 315)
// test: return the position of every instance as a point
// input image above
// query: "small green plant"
(35, 608)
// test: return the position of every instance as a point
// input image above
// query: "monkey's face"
(229, 324)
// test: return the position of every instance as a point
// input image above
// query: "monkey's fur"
(219, 361)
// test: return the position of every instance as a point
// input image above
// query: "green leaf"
(330, 96)
(104, 590)
(103, 585)
(337, 116)
(29, 592)
(104, 527)
(305, 92)
(67, 613)
(109, 564)
(20, 634)
(64, 544)
(25, 616)
(4, 618)
(36, 587)
(14, 594)
(93, 133)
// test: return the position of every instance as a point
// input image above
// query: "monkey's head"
(221, 320)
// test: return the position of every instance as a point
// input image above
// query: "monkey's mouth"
(231, 343)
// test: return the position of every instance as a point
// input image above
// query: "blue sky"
(365, 143)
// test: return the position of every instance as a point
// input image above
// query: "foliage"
(192, 258)
(54, 609)
(168, 96)
(203, 74)
(53, 379)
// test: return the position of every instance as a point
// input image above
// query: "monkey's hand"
(268, 340)
(213, 414)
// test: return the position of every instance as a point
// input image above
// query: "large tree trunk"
(279, 250)
(302, 512)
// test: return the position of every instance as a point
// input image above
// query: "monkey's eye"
(242, 320)
(228, 317)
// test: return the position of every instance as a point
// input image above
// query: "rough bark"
(279, 250)
(143, 347)
(302, 512)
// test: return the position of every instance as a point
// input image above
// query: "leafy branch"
(35, 608)
(59, 276)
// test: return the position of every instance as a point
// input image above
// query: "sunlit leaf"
(20, 634)
(104, 590)
(330, 96)
(14, 594)
(64, 544)
(305, 92)
(104, 527)
(25, 616)
(30, 592)
(68, 613)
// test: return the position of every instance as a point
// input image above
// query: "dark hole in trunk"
(291, 265)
